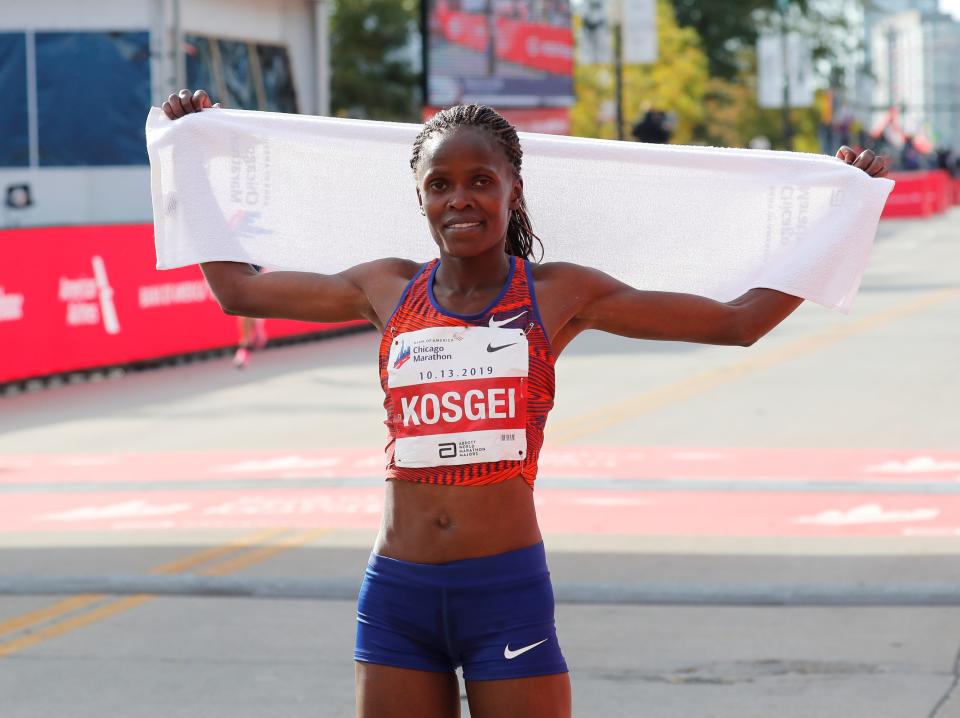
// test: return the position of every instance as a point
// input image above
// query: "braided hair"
(520, 233)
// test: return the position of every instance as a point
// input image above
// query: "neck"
(467, 275)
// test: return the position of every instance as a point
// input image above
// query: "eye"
(437, 185)
(482, 181)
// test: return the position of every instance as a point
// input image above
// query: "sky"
(951, 6)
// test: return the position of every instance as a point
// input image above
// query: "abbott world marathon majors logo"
(89, 300)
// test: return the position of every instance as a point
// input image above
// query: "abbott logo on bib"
(456, 401)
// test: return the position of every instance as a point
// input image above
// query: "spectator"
(655, 126)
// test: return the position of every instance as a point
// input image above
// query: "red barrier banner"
(75, 298)
(918, 194)
(956, 190)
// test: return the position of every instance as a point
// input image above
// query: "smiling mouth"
(463, 225)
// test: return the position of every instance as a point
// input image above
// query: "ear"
(516, 194)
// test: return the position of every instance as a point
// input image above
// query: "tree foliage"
(675, 83)
(371, 73)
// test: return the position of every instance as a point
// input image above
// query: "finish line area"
(749, 533)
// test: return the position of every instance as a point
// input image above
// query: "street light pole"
(618, 65)
(783, 6)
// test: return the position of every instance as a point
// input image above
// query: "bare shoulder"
(556, 272)
(567, 277)
(383, 282)
(384, 269)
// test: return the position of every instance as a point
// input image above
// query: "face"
(467, 187)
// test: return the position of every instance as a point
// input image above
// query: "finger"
(201, 100)
(875, 166)
(885, 168)
(168, 111)
(186, 101)
(864, 160)
(175, 106)
(846, 154)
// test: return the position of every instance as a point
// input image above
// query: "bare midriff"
(429, 523)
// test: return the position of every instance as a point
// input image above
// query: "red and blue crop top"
(467, 396)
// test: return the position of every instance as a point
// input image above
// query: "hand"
(185, 102)
(869, 161)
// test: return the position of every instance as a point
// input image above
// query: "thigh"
(388, 692)
(537, 697)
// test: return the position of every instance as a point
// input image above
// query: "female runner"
(458, 576)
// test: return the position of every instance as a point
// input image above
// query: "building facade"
(81, 75)
(916, 92)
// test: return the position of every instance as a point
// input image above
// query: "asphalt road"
(758, 532)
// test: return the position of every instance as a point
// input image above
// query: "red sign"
(919, 194)
(542, 47)
(75, 298)
(546, 120)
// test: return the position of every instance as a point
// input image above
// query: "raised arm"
(367, 291)
(575, 298)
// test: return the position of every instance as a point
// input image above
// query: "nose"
(460, 198)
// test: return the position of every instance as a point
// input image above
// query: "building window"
(15, 138)
(242, 75)
(277, 76)
(93, 93)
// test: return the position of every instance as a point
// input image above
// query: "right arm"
(367, 291)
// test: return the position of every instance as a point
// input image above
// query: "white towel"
(322, 194)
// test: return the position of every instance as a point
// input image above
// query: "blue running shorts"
(492, 615)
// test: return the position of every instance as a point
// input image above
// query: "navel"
(444, 521)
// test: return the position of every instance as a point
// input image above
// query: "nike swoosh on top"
(494, 324)
(491, 348)
(510, 655)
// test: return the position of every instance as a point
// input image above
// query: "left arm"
(589, 299)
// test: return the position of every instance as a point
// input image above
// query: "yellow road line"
(125, 604)
(262, 554)
(69, 605)
(605, 417)
(70, 624)
(215, 552)
(75, 604)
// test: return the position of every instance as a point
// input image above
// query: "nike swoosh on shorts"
(510, 655)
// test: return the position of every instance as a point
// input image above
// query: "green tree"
(729, 30)
(675, 83)
(372, 75)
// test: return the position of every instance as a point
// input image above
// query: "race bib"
(459, 395)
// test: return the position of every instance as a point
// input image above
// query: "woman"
(458, 575)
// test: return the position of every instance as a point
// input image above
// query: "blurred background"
(805, 75)
(749, 533)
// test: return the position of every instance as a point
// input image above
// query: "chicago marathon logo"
(402, 356)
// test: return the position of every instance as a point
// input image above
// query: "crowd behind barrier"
(78, 298)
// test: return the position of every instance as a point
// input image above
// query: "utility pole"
(891, 65)
(321, 56)
(618, 65)
(491, 40)
(783, 6)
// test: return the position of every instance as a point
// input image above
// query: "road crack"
(953, 685)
